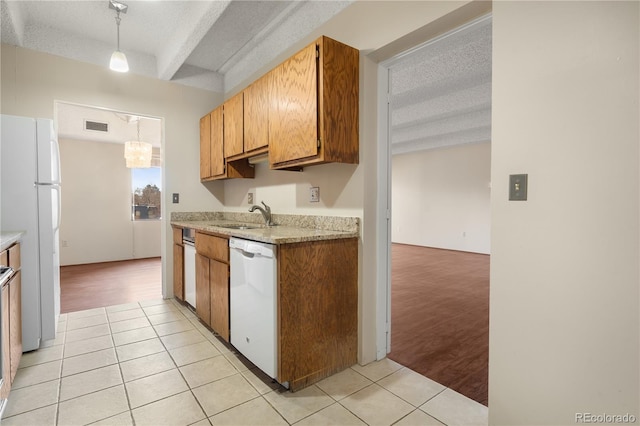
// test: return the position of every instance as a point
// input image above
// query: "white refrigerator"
(30, 202)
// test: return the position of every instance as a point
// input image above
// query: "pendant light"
(118, 59)
(137, 153)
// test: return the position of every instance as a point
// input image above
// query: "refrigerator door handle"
(55, 152)
(57, 189)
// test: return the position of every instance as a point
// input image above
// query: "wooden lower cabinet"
(203, 289)
(6, 357)
(212, 282)
(178, 264)
(220, 297)
(11, 320)
(178, 271)
(318, 310)
(15, 322)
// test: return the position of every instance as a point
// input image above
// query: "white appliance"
(190, 273)
(30, 187)
(253, 301)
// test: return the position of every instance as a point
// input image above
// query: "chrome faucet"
(266, 213)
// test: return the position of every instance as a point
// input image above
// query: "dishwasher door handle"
(244, 253)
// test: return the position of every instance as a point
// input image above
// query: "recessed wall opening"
(439, 182)
(111, 221)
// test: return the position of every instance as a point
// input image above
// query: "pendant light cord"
(118, 27)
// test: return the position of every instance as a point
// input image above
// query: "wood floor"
(110, 283)
(440, 316)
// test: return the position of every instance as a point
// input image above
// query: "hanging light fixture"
(137, 153)
(118, 59)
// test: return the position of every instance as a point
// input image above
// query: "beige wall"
(32, 82)
(441, 198)
(96, 221)
(564, 322)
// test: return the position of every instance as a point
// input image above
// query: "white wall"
(340, 190)
(96, 221)
(441, 198)
(564, 321)
(32, 81)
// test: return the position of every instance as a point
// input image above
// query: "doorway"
(439, 139)
(111, 214)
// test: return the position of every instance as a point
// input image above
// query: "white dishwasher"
(253, 302)
(189, 273)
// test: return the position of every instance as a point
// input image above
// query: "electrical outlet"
(314, 194)
(250, 198)
(176, 198)
(63, 243)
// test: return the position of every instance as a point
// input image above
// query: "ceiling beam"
(194, 25)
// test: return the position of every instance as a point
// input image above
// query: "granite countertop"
(8, 238)
(290, 228)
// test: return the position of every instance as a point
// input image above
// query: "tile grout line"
(64, 346)
(126, 393)
(190, 390)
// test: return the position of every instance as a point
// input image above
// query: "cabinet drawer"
(212, 247)
(14, 256)
(4, 258)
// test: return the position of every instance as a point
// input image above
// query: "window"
(146, 193)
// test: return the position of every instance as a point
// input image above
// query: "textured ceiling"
(441, 91)
(212, 45)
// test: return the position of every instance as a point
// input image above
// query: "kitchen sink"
(239, 226)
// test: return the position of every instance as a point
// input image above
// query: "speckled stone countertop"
(289, 228)
(8, 238)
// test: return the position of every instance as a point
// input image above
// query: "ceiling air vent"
(94, 125)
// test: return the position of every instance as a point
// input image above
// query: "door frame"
(456, 21)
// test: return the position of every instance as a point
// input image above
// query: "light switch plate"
(314, 194)
(176, 198)
(518, 187)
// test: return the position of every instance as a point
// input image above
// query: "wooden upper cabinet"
(212, 164)
(313, 114)
(293, 113)
(213, 130)
(217, 144)
(205, 147)
(256, 114)
(233, 126)
(303, 112)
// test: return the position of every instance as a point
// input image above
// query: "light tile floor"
(154, 363)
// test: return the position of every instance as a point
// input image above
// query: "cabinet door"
(178, 272)
(233, 126)
(293, 112)
(217, 143)
(256, 114)
(205, 147)
(220, 298)
(317, 310)
(15, 322)
(6, 355)
(203, 292)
